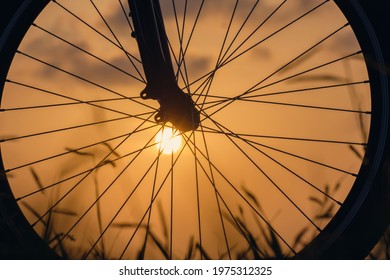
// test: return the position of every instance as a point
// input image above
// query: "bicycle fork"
(176, 106)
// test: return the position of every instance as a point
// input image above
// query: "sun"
(168, 141)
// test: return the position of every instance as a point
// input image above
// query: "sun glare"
(168, 141)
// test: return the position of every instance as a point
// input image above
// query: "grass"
(266, 245)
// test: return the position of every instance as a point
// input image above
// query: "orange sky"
(263, 175)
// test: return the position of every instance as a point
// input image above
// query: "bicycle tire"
(345, 237)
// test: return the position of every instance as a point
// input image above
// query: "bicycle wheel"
(289, 159)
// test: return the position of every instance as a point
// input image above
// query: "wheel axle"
(176, 107)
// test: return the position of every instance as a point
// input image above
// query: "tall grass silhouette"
(262, 242)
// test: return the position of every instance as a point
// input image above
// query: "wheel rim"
(211, 209)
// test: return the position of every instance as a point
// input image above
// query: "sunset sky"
(292, 133)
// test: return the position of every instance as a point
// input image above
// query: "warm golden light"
(278, 130)
(168, 141)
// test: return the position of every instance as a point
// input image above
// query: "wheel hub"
(176, 107)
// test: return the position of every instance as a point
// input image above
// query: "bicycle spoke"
(212, 181)
(126, 16)
(171, 209)
(253, 145)
(283, 143)
(253, 89)
(91, 103)
(186, 144)
(301, 106)
(220, 54)
(100, 34)
(116, 39)
(105, 191)
(207, 83)
(76, 150)
(184, 50)
(247, 202)
(197, 197)
(218, 199)
(221, 57)
(231, 59)
(243, 138)
(282, 92)
(128, 198)
(76, 185)
(180, 62)
(102, 163)
(143, 250)
(81, 78)
(69, 128)
(288, 138)
(180, 34)
(83, 50)
(270, 179)
(256, 88)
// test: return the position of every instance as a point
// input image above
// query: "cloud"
(199, 59)
(65, 56)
